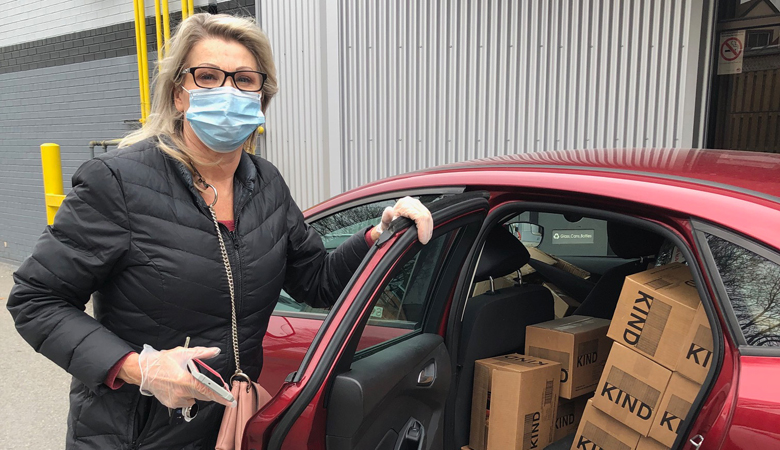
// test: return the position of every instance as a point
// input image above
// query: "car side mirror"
(530, 234)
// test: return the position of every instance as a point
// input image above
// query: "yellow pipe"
(184, 10)
(139, 58)
(190, 7)
(51, 165)
(158, 29)
(145, 58)
(166, 21)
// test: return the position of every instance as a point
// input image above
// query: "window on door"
(400, 307)
(334, 230)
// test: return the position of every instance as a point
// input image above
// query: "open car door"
(390, 395)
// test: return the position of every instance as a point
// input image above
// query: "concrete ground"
(34, 393)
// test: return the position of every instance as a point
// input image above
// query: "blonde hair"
(165, 122)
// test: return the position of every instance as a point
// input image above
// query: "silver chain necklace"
(229, 271)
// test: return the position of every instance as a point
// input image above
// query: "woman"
(138, 232)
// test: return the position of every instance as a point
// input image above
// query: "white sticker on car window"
(573, 236)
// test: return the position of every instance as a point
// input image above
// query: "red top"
(111, 380)
(230, 224)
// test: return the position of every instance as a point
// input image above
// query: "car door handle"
(427, 375)
(696, 441)
(412, 436)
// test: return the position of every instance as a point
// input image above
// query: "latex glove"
(164, 374)
(412, 209)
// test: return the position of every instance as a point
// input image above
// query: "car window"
(337, 228)
(334, 230)
(400, 307)
(752, 284)
(563, 234)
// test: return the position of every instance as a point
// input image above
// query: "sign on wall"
(731, 52)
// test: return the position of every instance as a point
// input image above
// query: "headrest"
(630, 242)
(503, 254)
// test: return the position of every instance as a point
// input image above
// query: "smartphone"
(210, 378)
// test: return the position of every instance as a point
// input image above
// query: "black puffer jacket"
(135, 232)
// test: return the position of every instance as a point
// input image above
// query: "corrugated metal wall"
(295, 138)
(423, 83)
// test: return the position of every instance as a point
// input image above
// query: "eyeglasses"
(211, 77)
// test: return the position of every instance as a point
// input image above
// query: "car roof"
(749, 172)
(735, 189)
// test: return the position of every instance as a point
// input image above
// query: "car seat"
(494, 322)
(626, 242)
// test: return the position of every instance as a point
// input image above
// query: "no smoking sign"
(731, 52)
(731, 49)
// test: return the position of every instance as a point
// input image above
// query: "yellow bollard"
(52, 179)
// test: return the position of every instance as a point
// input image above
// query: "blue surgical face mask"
(224, 117)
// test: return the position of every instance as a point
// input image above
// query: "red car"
(390, 366)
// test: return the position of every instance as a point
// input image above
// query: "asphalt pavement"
(34, 390)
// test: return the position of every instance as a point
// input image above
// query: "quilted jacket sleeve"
(90, 236)
(314, 277)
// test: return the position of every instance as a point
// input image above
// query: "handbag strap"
(229, 272)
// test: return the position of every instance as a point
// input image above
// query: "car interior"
(510, 289)
(534, 263)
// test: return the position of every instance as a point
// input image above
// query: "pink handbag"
(250, 397)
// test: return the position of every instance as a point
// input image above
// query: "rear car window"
(752, 283)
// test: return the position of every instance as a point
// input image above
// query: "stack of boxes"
(515, 402)
(646, 367)
(661, 354)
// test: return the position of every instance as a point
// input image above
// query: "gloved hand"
(413, 209)
(164, 375)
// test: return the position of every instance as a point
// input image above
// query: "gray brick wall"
(69, 90)
(69, 105)
(89, 45)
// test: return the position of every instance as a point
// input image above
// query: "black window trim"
(313, 315)
(391, 323)
(434, 296)
(701, 229)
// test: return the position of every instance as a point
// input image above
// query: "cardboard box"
(675, 404)
(514, 402)
(655, 312)
(646, 443)
(568, 416)
(578, 343)
(563, 303)
(571, 268)
(631, 388)
(599, 431)
(696, 360)
(558, 262)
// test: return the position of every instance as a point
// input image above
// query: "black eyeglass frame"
(191, 70)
